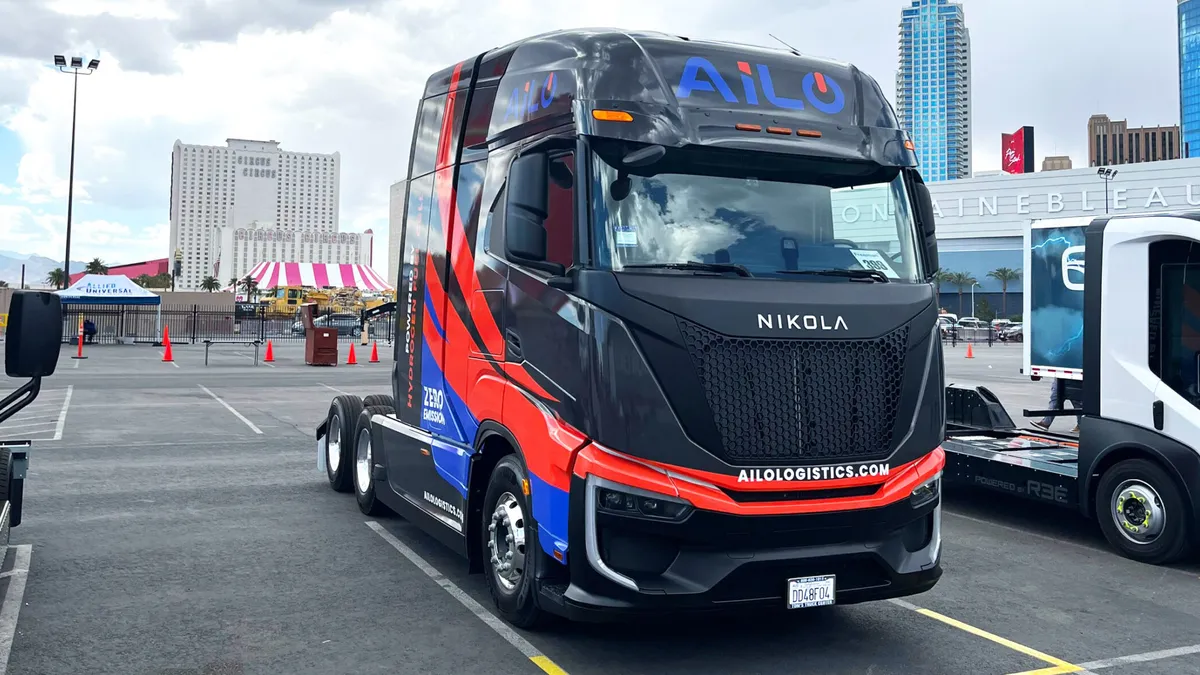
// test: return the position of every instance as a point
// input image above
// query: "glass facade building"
(933, 87)
(1189, 76)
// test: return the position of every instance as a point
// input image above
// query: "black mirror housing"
(525, 211)
(926, 224)
(525, 208)
(35, 332)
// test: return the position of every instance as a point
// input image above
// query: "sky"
(345, 76)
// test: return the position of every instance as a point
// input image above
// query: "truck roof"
(676, 91)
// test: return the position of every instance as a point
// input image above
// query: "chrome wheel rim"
(362, 461)
(1138, 511)
(333, 444)
(506, 542)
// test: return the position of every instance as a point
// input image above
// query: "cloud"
(346, 76)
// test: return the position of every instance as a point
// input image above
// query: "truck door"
(1175, 338)
(544, 325)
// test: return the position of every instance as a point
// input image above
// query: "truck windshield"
(745, 226)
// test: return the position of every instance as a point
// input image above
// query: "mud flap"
(322, 446)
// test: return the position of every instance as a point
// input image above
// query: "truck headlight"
(926, 492)
(631, 503)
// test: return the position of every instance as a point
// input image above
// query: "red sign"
(1012, 147)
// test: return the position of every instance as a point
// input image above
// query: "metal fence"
(195, 324)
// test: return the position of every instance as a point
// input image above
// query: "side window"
(428, 133)
(560, 221)
(1175, 316)
(479, 118)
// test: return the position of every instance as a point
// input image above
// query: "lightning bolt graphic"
(1051, 240)
(1066, 345)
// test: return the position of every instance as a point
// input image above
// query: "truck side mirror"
(525, 212)
(35, 332)
(926, 225)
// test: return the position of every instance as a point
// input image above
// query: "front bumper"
(712, 561)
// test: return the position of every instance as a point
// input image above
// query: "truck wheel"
(510, 544)
(1142, 512)
(339, 443)
(382, 400)
(364, 460)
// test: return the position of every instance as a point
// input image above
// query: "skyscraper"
(245, 182)
(933, 87)
(1189, 76)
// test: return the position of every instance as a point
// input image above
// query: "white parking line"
(335, 389)
(251, 357)
(1141, 658)
(228, 407)
(62, 415)
(502, 629)
(13, 599)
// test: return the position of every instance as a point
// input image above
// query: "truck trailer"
(667, 333)
(1129, 341)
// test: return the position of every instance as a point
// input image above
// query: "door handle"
(514, 343)
(1157, 412)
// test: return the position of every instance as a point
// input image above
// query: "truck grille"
(782, 400)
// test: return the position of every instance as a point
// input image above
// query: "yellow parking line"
(547, 665)
(1058, 665)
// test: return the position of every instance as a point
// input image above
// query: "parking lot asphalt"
(175, 522)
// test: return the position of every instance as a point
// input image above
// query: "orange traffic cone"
(270, 353)
(970, 354)
(374, 352)
(351, 361)
(167, 356)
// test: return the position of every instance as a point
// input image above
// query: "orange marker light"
(747, 127)
(612, 115)
(808, 133)
(779, 130)
(525, 486)
(908, 145)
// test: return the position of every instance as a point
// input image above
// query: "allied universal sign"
(104, 289)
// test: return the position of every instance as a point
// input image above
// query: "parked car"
(947, 325)
(1012, 333)
(346, 324)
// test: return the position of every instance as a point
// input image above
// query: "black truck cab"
(669, 335)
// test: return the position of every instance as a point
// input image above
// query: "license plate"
(810, 591)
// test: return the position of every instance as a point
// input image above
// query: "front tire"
(339, 441)
(510, 547)
(364, 462)
(1142, 512)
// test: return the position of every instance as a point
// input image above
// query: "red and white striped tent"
(319, 275)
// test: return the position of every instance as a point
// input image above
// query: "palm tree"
(210, 284)
(161, 280)
(1004, 275)
(97, 266)
(57, 278)
(250, 286)
(940, 277)
(961, 280)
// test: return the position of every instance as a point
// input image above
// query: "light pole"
(1107, 174)
(973, 297)
(76, 69)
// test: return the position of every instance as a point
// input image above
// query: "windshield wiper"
(694, 266)
(874, 275)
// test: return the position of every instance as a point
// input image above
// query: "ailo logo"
(534, 95)
(819, 90)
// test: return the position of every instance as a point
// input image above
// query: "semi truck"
(1128, 340)
(667, 333)
(31, 348)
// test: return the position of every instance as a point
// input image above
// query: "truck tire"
(381, 399)
(339, 459)
(364, 460)
(510, 538)
(1142, 512)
